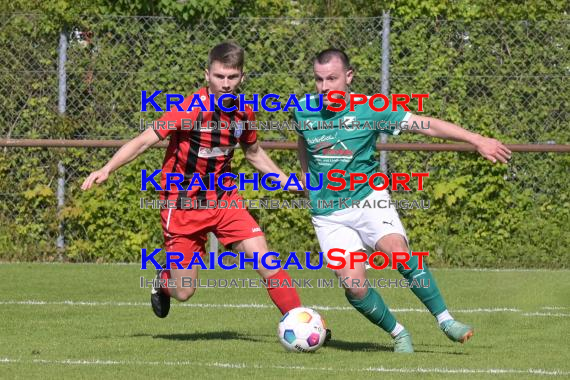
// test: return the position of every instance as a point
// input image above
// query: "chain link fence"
(508, 80)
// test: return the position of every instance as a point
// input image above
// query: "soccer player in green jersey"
(380, 229)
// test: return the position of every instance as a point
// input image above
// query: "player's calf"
(183, 295)
(356, 292)
(185, 281)
(279, 285)
(281, 291)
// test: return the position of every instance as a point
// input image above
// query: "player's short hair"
(326, 56)
(228, 54)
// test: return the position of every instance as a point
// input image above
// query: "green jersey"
(344, 140)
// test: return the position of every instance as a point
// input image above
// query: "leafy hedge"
(506, 79)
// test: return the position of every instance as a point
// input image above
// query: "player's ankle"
(397, 330)
(443, 317)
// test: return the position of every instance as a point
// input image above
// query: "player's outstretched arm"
(127, 153)
(302, 155)
(489, 148)
(257, 157)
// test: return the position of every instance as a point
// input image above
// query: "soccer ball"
(302, 330)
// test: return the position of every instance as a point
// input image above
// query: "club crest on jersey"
(238, 129)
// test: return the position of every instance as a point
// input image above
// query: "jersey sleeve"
(169, 122)
(249, 135)
(391, 119)
(172, 120)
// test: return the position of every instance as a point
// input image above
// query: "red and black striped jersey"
(202, 150)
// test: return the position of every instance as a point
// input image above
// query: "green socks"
(372, 306)
(429, 295)
(422, 284)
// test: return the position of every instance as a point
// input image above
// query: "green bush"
(505, 79)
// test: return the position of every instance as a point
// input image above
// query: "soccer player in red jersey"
(193, 151)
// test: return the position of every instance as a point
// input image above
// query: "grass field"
(94, 321)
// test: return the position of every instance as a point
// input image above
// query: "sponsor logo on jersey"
(315, 140)
(215, 152)
(336, 152)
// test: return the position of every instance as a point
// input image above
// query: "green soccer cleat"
(456, 331)
(403, 343)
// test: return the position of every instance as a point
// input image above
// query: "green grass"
(116, 334)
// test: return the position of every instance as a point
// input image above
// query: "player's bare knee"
(184, 294)
(254, 244)
(357, 292)
(392, 243)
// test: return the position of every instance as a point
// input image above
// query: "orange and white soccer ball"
(302, 330)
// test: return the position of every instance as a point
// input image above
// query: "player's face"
(223, 80)
(331, 76)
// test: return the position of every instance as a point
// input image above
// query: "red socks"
(282, 292)
(279, 287)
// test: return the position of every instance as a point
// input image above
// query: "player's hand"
(493, 150)
(297, 190)
(97, 177)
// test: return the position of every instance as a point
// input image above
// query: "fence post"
(61, 108)
(385, 82)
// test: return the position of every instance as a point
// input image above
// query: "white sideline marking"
(243, 306)
(262, 306)
(495, 371)
(539, 314)
(500, 269)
